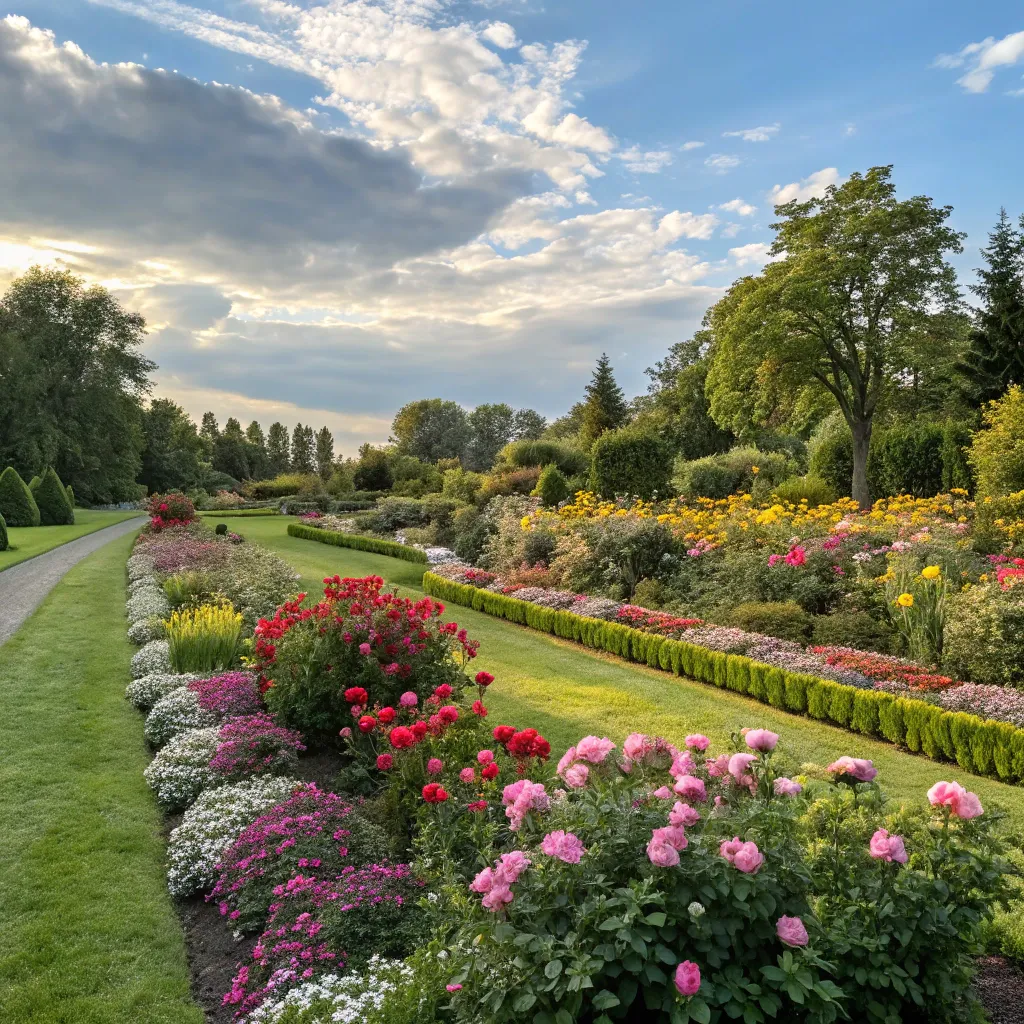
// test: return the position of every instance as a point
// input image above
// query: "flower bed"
(360, 543)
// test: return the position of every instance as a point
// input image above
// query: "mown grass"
(29, 541)
(567, 691)
(89, 935)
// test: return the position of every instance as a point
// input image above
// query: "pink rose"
(727, 848)
(691, 788)
(594, 749)
(467, 775)
(961, 803)
(496, 898)
(672, 835)
(408, 699)
(697, 741)
(682, 764)
(787, 787)
(662, 855)
(662, 793)
(510, 866)
(563, 845)
(485, 756)
(688, 978)
(365, 649)
(576, 776)
(888, 848)
(762, 739)
(748, 859)
(345, 733)
(683, 814)
(718, 766)
(856, 767)
(483, 881)
(791, 931)
(567, 759)
(738, 765)
(435, 766)
(637, 746)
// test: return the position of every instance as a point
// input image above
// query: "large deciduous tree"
(173, 458)
(492, 426)
(72, 381)
(431, 429)
(860, 288)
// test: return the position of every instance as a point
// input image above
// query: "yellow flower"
(755, 469)
(931, 572)
(525, 522)
(905, 600)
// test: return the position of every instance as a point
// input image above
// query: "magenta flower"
(691, 788)
(453, 988)
(563, 845)
(467, 775)
(697, 741)
(662, 855)
(888, 848)
(576, 776)
(662, 793)
(672, 835)
(485, 756)
(365, 649)
(762, 739)
(687, 978)
(857, 768)
(435, 766)
(637, 746)
(408, 699)
(727, 848)
(748, 859)
(791, 931)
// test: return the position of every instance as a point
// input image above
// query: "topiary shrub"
(784, 619)
(811, 489)
(70, 491)
(34, 483)
(552, 486)
(17, 505)
(628, 461)
(3, 534)
(851, 629)
(52, 500)
(221, 529)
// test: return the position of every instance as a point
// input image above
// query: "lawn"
(90, 935)
(29, 541)
(567, 691)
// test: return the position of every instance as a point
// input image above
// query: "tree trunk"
(861, 441)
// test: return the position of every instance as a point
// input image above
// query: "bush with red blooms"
(172, 509)
(311, 832)
(359, 638)
(661, 623)
(881, 668)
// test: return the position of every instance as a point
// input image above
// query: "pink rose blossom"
(762, 739)
(467, 775)
(496, 898)
(888, 848)
(662, 793)
(688, 978)
(748, 859)
(567, 759)
(683, 814)
(662, 855)
(408, 699)
(637, 746)
(738, 765)
(346, 733)
(435, 766)
(691, 788)
(727, 848)
(697, 741)
(682, 764)
(594, 749)
(718, 766)
(787, 787)
(576, 776)
(791, 931)
(858, 768)
(485, 756)
(365, 649)
(962, 804)
(563, 845)
(672, 835)
(483, 881)
(510, 866)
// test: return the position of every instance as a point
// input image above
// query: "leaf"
(657, 919)
(613, 924)
(604, 1000)
(664, 954)
(699, 1010)
(553, 969)
(563, 1017)
(523, 1002)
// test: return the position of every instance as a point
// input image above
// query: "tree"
(209, 431)
(373, 470)
(997, 451)
(567, 427)
(174, 453)
(860, 287)
(605, 407)
(72, 381)
(324, 448)
(279, 456)
(676, 407)
(492, 428)
(256, 451)
(302, 450)
(995, 359)
(431, 429)
(230, 451)
(528, 425)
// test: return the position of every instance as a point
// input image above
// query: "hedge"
(218, 513)
(17, 505)
(353, 540)
(52, 500)
(977, 745)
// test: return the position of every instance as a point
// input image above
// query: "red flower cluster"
(881, 668)
(434, 793)
(655, 622)
(521, 745)
(168, 510)
(1007, 576)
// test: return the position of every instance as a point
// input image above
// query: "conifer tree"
(324, 447)
(279, 456)
(302, 450)
(605, 405)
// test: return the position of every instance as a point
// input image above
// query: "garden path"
(23, 586)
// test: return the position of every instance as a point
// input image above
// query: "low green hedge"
(976, 745)
(354, 540)
(224, 512)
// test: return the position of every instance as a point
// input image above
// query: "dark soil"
(1000, 987)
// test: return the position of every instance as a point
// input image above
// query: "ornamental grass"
(204, 639)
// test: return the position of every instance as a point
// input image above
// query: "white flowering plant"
(141, 632)
(153, 657)
(174, 713)
(147, 602)
(145, 691)
(181, 770)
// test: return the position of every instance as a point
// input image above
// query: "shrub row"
(351, 540)
(221, 513)
(976, 745)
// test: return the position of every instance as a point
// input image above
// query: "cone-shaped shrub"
(17, 505)
(52, 499)
(71, 495)
(34, 483)
(3, 534)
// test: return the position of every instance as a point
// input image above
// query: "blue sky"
(326, 210)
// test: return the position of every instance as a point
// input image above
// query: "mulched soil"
(1000, 986)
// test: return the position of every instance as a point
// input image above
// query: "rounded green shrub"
(17, 505)
(997, 452)
(811, 489)
(851, 629)
(629, 461)
(784, 619)
(52, 500)
(524, 454)
(221, 529)
(71, 495)
(552, 486)
(984, 635)
(3, 535)
(718, 476)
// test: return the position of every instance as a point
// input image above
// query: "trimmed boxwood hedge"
(353, 540)
(977, 745)
(3, 534)
(221, 513)
(17, 505)
(52, 500)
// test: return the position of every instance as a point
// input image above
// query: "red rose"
(479, 709)
(503, 733)
(448, 714)
(386, 715)
(384, 762)
(490, 771)
(419, 730)
(401, 737)
(356, 695)
(484, 679)
(367, 723)
(443, 691)
(479, 805)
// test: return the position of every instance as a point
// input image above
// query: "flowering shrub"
(181, 548)
(145, 691)
(312, 831)
(212, 824)
(656, 622)
(881, 668)
(174, 713)
(181, 770)
(317, 926)
(787, 898)
(984, 637)
(169, 510)
(146, 602)
(357, 637)
(254, 580)
(153, 657)
(256, 745)
(140, 568)
(141, 632)
(227, 695)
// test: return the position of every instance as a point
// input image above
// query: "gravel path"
(23, 586)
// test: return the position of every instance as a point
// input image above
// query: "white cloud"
(763, 133)
(501, 34)
(584, 198)
(744, 209)
(687, 146)
(811, 187)
(641, 162)
(982, 60)
(722, 162)
(754, 253)
(731, 230)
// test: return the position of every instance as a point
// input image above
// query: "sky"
(327, 209)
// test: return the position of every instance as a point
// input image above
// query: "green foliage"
(492, 426)
(283, 486)
(984, 635)
(525, 454)
(604, 407)
(811, 489)
(373, 470)
(907, 459)
(17, 505)
(552, 486)
(174, 453)
(204, 638)
(351, 540)
(52, 501)
(70, 492)
(323, 453)
(279, 456)
(461, 485)
(628, 461)
(431, 429)
(784, 619)
(718, 476)
(997, 453)
(221, 529)
(851, 629)
(3, 534)
(830, 452)
(956, 469)
(976, 745)
(303, 450)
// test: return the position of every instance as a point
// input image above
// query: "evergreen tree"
(302, 450)
(209, 428)
(256, 451)
(230, 454)
(254, 435)
(995, 359)
(279, 456)
(324, 448)
(605, 405)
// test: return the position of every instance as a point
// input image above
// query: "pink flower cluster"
(521, 797)
(228, 695)
(495, 884)
(961, 802)
(791, 931)
(563, 845)
(255, 745)
(745, 857)
(857, 768)
(888, 848)
(573, 767)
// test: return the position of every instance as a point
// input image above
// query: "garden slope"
(89, 934)
(567, 691)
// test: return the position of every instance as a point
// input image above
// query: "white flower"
(144, 630)
(696, 909)
(174, 713)
(147, 602)
(181, 771)
(147, 690)
(154, 657)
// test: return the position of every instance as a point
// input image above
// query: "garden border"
(357, 541)
(214, 513)
(977, 745)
